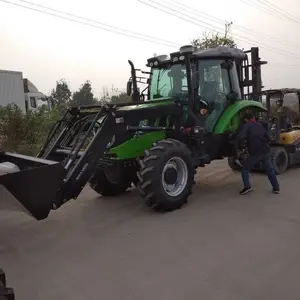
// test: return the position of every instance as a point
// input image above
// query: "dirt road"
(219, 246)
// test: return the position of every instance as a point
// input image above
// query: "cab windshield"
(169, 81)
(214, 84)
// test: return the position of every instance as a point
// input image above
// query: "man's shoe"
(276, 191)
(245, 190)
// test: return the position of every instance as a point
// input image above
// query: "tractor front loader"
(78, 148)
(195, 99)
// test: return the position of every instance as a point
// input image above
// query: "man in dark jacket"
(258, 140)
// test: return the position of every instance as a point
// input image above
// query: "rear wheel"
(166, 175)
(101, 185)
(279, 159)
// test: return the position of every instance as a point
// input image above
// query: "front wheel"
(166, 176)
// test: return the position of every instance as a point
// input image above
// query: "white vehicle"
(22, 92)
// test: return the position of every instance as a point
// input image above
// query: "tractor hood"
(160, 101)
(158, 107)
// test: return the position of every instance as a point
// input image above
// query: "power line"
(188, 18)
(101, 25)
(271, 9)
(97, 22)
(205, 15)
(240, 38)
(279, 10)
(110, 28)
(263, 9)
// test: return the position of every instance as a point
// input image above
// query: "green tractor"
(182, 120)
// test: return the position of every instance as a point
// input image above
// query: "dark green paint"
(136, 146)
(136, 107)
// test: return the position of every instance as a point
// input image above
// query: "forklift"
(284, 133)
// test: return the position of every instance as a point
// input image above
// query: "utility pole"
(227, 28)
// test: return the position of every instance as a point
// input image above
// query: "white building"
(22, 92)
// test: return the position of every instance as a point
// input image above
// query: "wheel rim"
(174, 176)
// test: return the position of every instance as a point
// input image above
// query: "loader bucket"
(36, 185)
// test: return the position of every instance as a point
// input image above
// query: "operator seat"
(209, 91)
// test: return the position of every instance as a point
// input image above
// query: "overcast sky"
(46, 48)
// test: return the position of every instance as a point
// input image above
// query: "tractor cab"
(205, 81)
(216, 83)
(217, 87)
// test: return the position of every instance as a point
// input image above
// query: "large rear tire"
(279, 159)
(166, 176)
(101, 185)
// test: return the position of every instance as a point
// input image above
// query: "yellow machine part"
(289, 137)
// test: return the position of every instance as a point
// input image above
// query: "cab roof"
(217, 52)
(221, 51)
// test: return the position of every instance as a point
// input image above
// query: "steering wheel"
(184, 86)
(180, 95)
(217, 101)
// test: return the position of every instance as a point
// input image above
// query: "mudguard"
(229, 120)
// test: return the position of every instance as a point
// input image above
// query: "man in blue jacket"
(258, 144)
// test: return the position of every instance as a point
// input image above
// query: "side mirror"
(227, 65)
(232, 97)
(129, 88)
(195, 80)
